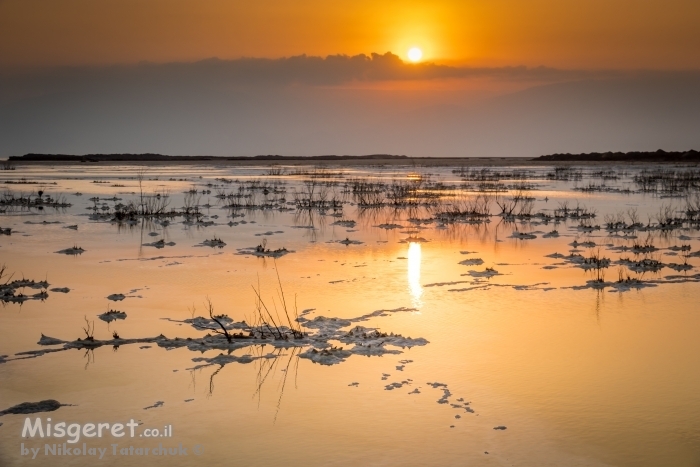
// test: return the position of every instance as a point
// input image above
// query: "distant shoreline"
(152, 157)
(655, 156)
(607, 158)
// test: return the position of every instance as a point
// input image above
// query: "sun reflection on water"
(414, 287)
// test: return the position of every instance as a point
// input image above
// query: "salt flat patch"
(112, 315)
(72, 251)
(488, 272)
(330, 356)
(472, 262)
(261, 252)
(556, 255)
(682, 278)
(403, 364)
(269, 232)
(25, 408)
(586, 244)
(212, 243)
(347, 242)
(442, 284)
(522, 287)
(445, 392)
(680, 267)
(159, 244)
(622, 286)
(202, 323)
(12, 292)
(345, 223)
(156, 258)
(365, 341)
(398, 385)
(523, 235)
(46, 340)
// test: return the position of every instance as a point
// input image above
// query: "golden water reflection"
(569, 372)
(414, 286)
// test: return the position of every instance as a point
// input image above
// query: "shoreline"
(392, 162)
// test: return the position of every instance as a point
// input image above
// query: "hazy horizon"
(340, 104)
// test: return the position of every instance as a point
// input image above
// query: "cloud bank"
(300, 70)
(304, 106)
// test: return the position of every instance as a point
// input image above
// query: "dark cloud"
(304, 70)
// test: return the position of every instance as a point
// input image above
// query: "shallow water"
(602, 375)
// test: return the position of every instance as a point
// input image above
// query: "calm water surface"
(589, 376)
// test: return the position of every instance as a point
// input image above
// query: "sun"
(415, 54)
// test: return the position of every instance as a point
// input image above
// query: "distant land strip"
(656, 156)
(634, 156)
(162, 157)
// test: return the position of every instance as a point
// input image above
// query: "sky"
(566, 34)
(228, 77)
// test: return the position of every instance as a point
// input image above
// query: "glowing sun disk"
(415, 54)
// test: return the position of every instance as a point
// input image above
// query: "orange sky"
(559, 33)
